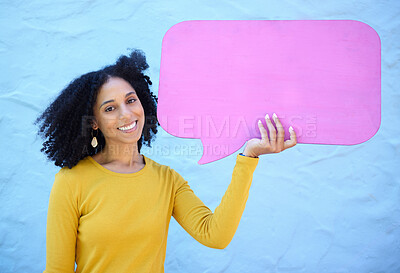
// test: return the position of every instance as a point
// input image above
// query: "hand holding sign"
(274, 144)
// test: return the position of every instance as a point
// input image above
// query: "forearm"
(227, 215)
(216, 229)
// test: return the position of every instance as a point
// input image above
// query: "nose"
(125, 113)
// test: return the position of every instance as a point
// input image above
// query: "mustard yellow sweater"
(118, 223)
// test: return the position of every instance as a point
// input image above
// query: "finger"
(281, 133)
(293, 139)
(263, 131)
(272, 131)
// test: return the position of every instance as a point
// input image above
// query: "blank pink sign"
(218, 78)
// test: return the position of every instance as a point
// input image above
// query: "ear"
(94, 124)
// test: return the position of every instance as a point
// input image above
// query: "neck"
(126, 155)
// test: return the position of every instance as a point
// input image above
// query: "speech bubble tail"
(218, 148)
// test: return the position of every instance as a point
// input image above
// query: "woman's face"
(118, 113)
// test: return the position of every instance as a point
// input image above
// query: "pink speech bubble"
(218, 78)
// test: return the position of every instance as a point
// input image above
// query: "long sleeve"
(61, 231)
(216, 229)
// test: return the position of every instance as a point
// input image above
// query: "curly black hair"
(66, 123)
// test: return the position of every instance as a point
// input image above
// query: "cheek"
(107, 122)
(140, 111)
(143, 116)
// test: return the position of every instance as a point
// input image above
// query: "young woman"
(110, 206)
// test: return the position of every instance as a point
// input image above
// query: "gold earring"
(94, 139)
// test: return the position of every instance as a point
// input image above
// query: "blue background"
(312, 208)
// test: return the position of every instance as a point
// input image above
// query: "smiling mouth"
(129, 127)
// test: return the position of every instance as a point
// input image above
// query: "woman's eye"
(133, 100)
(108, 109)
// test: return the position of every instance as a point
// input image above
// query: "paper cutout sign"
(218, 78)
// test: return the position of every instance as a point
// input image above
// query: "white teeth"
(128, 127)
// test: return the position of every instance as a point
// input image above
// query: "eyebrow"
(127, 94)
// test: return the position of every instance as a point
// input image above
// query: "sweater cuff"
(249, 161)
(248, 156)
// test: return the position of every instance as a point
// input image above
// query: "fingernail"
(275, 116)
(267, 116)
(290, 129)
(259, 122)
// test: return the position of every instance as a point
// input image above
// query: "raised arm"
(216, 229)
(62, 224)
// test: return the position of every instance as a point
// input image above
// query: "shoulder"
(165, 171)
(70, 176)
(82, 167)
